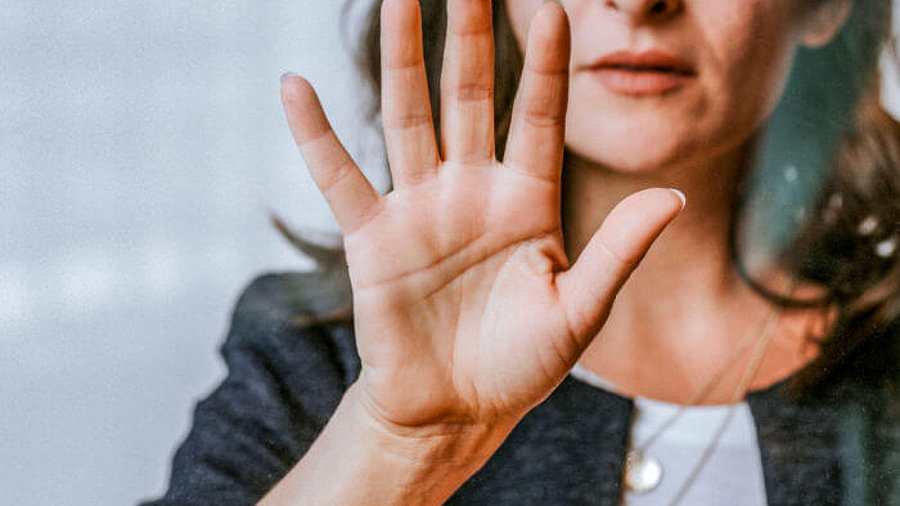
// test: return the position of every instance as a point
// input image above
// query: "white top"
(732, 475)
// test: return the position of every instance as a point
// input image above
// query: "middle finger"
(467, 83)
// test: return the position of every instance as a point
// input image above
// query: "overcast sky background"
(142, 146)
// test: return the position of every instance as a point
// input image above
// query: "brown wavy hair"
(849, 247)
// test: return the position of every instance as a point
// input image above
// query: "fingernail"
(680, 195)
(287, 75)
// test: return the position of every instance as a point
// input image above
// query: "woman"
(486, 362)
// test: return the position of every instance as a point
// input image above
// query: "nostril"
(663, 7)
(658, 8)
(645, 8)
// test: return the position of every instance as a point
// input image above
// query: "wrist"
(429, 462)
(360, 459)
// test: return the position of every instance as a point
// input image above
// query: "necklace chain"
(763, 337)
(739, 392)
(707, 388)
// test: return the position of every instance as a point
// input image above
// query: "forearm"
(356, 460)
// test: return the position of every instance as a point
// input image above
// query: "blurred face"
(658, 84)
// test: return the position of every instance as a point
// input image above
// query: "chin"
(645, 135)
(634, 147)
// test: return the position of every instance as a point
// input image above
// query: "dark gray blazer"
(286, 378)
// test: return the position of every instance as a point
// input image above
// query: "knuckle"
(620, 262)
(408, 121)
(403, 63)
(474, 92)
(546, 70)
(542, 118)
(341, 171)
(312, 135)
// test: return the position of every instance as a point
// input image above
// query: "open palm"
(465, 305)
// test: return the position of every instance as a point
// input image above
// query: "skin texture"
(469, 305)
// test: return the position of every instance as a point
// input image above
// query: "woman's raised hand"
(465, 306)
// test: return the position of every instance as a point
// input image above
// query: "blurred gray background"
(142, 146)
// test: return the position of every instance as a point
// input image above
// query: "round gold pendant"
(642, 472)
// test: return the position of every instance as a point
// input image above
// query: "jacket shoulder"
(295, 298)
(299, 322)
(285, 379)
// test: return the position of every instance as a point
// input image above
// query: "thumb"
(589, 287)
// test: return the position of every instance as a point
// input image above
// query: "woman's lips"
(641, 74)
(640, 82)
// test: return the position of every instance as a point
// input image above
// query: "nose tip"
(645, 9)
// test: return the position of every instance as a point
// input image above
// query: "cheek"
(748, 61)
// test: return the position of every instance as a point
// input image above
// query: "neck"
(684, 309)
(700, 233)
